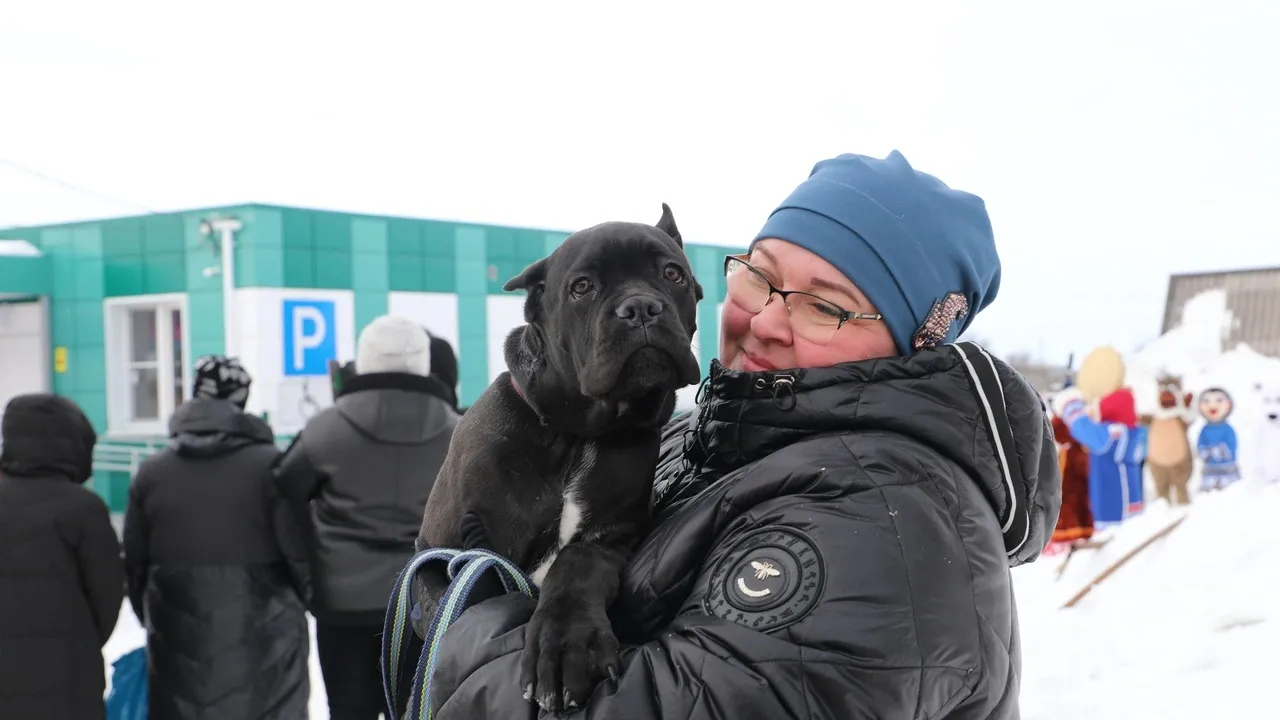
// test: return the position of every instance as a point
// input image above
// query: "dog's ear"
(530, 278)
(533, 281)
(667, 224)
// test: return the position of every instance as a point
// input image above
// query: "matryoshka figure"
(1217, 442)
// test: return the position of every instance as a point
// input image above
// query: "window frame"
(118, 348)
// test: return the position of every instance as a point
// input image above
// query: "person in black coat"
(363, 469)
(207, 544)
(61, 581)
(836, 523)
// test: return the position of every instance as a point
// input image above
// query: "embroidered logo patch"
(944, 314)
(769, 580)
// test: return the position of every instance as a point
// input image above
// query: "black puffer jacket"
(829, 545)
(61, 581)
(363, 469)
(226, 629)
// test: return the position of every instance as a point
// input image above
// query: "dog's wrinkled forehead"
(611, 250)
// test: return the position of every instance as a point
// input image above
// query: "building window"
(147, 362)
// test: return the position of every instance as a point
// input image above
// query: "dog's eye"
(580, 287)
(674, 274)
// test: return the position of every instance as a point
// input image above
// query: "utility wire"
(75, 188)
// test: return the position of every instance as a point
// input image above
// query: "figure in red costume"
(1119, 408)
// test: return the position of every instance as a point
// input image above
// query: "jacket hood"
(396, 408)
(206, 427)
(964, 404)
(46, 435)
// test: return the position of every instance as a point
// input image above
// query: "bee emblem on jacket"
(764, 570)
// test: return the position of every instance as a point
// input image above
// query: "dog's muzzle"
(640, 310)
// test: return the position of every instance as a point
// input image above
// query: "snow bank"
(1195, 350)
(1188, 628)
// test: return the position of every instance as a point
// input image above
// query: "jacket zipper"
(782, 389)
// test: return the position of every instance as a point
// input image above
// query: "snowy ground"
(1188, 629)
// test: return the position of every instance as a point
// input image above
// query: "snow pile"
(1194, 350)
(1195, 343)
(1188, 628)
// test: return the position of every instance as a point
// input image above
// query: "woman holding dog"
(835, 525)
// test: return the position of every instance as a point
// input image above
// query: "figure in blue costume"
(1100, 413)
(1117, 452)
(1217, 442)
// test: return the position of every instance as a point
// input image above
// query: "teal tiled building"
(113, 313)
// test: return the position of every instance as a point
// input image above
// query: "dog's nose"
(639, 310)
(1273, 416)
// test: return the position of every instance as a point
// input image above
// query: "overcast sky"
(1114, 143)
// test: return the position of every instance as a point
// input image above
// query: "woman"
(835, 525)
(206, 546)
(61, 582)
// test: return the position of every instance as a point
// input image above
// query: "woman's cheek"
(735, 324)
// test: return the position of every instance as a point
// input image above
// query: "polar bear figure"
(1267, 449)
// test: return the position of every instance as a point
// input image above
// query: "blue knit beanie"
(923, 253)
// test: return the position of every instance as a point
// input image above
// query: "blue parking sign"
(310, 337)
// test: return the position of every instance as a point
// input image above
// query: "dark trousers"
(351, 664)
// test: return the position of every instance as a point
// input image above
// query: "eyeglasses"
(812, 318)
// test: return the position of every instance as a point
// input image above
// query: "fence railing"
(123, 457)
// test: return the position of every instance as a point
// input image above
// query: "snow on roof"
(18, 248)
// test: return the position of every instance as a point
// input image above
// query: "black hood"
(929, 397)
(207, 427)
(46, 435)
(396, 408)
(444, 367)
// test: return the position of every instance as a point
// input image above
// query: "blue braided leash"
(465, 568)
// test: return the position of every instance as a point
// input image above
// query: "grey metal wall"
(1253, 297)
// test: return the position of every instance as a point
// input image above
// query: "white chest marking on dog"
(572, 513)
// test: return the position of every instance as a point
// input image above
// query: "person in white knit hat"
(365, 466)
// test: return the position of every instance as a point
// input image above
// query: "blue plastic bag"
(128, 697)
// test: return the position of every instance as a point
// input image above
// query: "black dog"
(557, 456)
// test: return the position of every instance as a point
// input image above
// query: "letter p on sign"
(309, 338)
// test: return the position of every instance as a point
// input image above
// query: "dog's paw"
(567, 653)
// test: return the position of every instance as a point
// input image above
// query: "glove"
(1068, 404)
